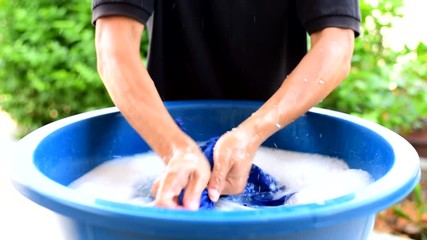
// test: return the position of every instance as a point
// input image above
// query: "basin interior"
(78, 147)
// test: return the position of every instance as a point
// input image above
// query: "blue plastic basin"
(53, 156)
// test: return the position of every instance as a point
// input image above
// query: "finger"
(193, 192)
(234, 183)
(219, 171)
(166, 201)
(169, 188)
(218, 176)
(236, 179)
(215, 185)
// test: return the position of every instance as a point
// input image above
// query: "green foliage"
(384, 86)
(48, 67)
(47, 61)
(420, 209)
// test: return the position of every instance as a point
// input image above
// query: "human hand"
(233, 154)
(186, 169)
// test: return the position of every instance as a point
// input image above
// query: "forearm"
(132, 89)
(320, 71)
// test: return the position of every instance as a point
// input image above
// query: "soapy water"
(313, 178)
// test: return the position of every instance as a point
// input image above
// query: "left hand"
(233, 155)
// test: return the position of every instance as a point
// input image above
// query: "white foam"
(125, 179)
(314, 178)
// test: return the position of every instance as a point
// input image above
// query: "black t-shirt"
(228, 49)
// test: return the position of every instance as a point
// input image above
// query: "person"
(219, 49)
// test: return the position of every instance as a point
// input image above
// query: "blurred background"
(48, 72)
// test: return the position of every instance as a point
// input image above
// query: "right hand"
(187, 168)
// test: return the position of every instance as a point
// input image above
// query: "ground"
(408, 218)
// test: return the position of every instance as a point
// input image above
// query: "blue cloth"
(261, 188)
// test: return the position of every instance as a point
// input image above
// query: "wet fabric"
(261, 189)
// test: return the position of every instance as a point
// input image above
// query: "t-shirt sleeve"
(140, 10)
(316, 15)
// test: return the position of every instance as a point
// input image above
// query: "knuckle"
(218, 179)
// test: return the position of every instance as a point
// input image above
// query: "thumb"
(216, 182)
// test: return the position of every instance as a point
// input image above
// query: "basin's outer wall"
(354, 229)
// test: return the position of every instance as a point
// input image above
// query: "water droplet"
(278, 125)
(305, 80)
(321, 81)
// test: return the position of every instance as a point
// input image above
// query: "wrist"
(178, 143)
(249, 133)
(261, 125)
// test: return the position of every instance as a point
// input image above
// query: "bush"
(384, 86)
(48, 61)
(48, 67)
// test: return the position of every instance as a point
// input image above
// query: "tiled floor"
(24, 219)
